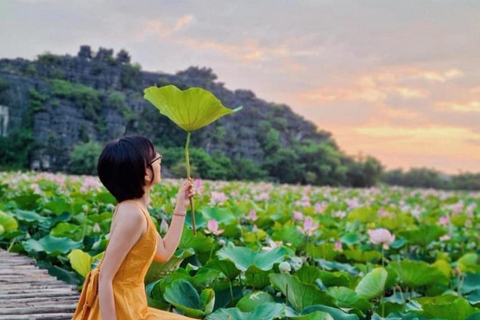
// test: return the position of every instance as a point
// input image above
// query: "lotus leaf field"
(269, 251)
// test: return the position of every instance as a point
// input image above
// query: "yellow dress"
(128, 284)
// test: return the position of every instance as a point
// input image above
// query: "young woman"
(128, 168)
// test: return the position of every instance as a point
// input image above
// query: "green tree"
(84, 158)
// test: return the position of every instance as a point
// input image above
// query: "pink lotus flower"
(198, 185)
(297, 215)
(383, 213)
(444, 221)
(252, 216)
(217, 198)
(308, 226)
(212, 227)
(338, 246)
(381, 236)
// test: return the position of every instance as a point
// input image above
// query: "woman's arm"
(166, 247)
(130, 223)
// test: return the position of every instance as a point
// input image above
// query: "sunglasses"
(158, 157)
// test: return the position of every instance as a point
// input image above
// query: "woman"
(128, 168)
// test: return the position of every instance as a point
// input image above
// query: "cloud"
(163, 30)
(472, 106)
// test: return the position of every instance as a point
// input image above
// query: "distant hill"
(99, 96)
(55, 102)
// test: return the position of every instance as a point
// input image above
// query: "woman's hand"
(185, 192)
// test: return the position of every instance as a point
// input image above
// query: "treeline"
(430, 178)
(307, 163)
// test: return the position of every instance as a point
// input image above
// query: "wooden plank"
(28, 292)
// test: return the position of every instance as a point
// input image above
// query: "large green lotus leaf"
(58, 206)
(335, 313)
(257, 278)
(423, 235)
(27, 201)
(254, 299)
(183, 296)
(80, 261)
(324, 250)
(372, 285)
(266, 311)
(347, 298)
(363, 256)
(470, 283)
(30, 217)
(446, 307)
(289, 234)
(244, 258)
(469, 262)
(316, 315)
(474, 316)
(190, 109)
(418, 273)
(337, 278)
(225, 266)
(52, 245)
(331, 265)
(8, 222)
(308, 274)
(65, 229)
(300, 295)
(205, 277)
(155, 297)
(199, 243)
(222, 215)
(474, 297)
(363, 214)
(158, 270)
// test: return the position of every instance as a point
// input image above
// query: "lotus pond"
(269, 251)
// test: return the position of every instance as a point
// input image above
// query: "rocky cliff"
(98, 96)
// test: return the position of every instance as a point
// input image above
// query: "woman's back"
(128, 283)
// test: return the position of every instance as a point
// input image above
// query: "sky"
(398, 79)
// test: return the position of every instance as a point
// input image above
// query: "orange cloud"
(162, 30)
(472, 106)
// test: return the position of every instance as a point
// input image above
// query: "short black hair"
(122, 166)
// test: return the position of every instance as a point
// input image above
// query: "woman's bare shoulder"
(129, 214)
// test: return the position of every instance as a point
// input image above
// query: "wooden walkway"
(27, 292)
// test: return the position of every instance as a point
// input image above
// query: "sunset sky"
(399, 80)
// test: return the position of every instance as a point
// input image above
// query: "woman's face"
(156, 165)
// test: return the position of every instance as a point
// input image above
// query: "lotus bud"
(284, 267)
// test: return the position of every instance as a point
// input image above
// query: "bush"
(84, 158)
(15, 149)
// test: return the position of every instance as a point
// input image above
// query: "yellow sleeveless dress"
(128, 284)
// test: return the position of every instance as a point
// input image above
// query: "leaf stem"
(187, 159)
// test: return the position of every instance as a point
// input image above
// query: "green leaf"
(267, 311)
(158, 270)
(300, 295)
(372, 285)
(423, 235)
(51, 245)
(257, 278)
(183, 296)
(225, 266)
(244, 258)
(418, 273)
(254, 299)
(190, 109)
(446, 307)
(80, 261)
(8, 222)
(347, 298)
